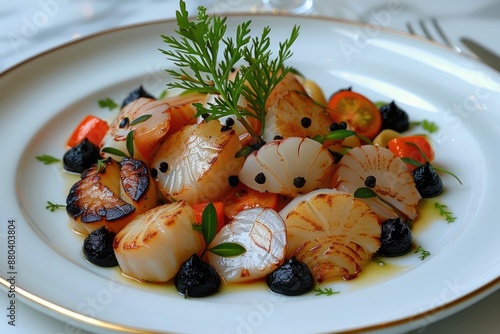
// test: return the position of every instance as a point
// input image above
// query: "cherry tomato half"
(416, 148)
(357, 111)
(91, 127)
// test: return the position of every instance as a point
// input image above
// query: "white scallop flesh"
(284, 163)
(237, 125)
(200, 159)
(396, 192)
(332, 232)
(153, 246)
(262, 232)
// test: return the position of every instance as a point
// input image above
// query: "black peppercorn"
(260, 178)
(305, 122)
(370, 181)
(299, 182)
(233, 180)
(163, 167)
(123, 123)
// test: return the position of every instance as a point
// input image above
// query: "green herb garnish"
(325, 292)
(206, 59)
(101, 165)
(114, 151)
(341, 134)
(47, 159)
(107, 103)
(423, 252)
(364, 192)
(444, 212)
(140, 119)
(130, 143)
(427, 125)
(53, 207)
(208, 230)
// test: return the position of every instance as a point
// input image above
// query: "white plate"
(44, 98)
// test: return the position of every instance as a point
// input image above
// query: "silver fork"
(432, 32)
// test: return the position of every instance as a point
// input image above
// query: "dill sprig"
(206, 59)
(54, 206)
(423, 253)
(325, 292)
(445, 212)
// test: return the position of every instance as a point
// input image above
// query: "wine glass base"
(288, 6)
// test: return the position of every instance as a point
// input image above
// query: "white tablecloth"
(29, 27)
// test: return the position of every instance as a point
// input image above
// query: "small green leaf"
(107, 103)
(364, 192)
(47, 159)
(228, 249)
(114, 151)
(427, 125)
(130, 143)
(140, 119)
(209, 223)
(431, 127)
(244, 152)
(340, 134)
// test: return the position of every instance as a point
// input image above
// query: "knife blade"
(483, 53)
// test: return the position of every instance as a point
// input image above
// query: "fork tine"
(410, 29)
(426, 31)
(443, 35)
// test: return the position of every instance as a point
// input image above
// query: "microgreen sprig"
(325, 292)
(206, 59)
(423, 253)
(427, 125)
(53, 206)
(107, 103)
(444, 211)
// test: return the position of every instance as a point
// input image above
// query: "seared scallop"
(194, 164)
(153, 246)
(332, 232)
(393, 184)
(288, 167)
(289, 83)
(295, 114)
(262, 232)
(97, 199)
(137, 186)
(147, 121)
